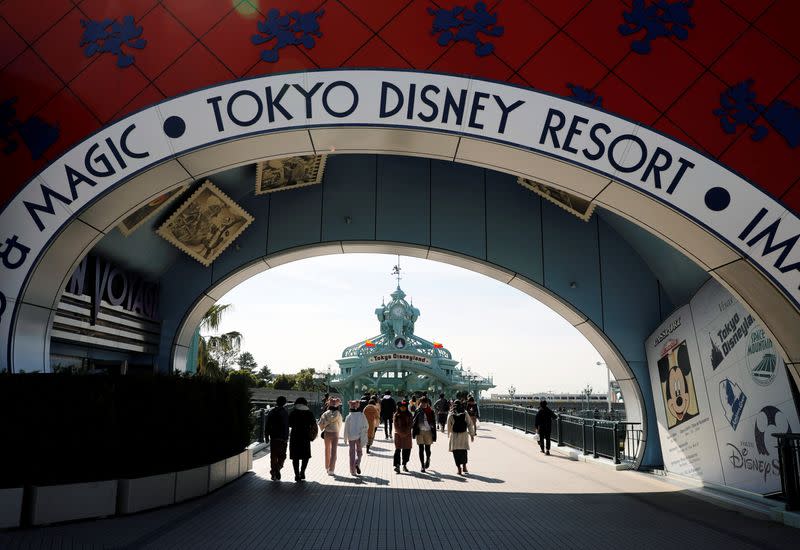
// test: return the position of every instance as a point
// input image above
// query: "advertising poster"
(681, 400)
(748, 389)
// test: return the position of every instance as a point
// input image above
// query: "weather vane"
(396, 271)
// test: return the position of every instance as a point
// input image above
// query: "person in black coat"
(277, 433)
(301, 421)
(544, 424)
(388, 408)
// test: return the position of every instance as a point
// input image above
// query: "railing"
(789, 456)
(618, 441)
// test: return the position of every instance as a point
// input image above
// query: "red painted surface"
(546, 45)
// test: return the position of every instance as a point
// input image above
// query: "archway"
(732, 230)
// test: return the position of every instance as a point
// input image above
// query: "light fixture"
(573, 284)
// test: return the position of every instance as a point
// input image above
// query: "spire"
(396, 271)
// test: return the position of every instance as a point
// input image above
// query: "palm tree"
(218, 346)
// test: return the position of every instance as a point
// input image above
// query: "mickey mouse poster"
(677, 385)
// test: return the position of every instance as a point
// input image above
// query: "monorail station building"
(632, 165)
(399, 360)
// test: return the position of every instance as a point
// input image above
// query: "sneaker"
(547, 453)
(465, 469)
(330, 472)
(397, 469)
(405, 468)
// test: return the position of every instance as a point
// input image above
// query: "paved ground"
(514, 497)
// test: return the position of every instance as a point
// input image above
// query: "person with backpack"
(461, 431)
(424, 429)
(388, 408)
(355, 435)
(472, 410)
(330, 423)
(402, 436)
(304, 431)
(441, 408)
(277, 433)
(544, 424)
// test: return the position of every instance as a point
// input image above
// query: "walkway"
(516, 498)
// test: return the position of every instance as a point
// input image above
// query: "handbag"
(312, 431)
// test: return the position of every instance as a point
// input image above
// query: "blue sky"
(303, 314)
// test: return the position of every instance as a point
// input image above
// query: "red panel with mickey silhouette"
(712, 74)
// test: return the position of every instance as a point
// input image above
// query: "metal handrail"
(617, 440)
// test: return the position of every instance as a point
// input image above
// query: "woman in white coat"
(460, 430)
(355, 435)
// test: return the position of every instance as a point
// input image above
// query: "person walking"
(424, 429)
(472, 410)
(355, 435)
(441, 408)
(402, 436)
(388, 408)
(372, 414)
(330, 423)
(277, 433)
(461, 431)
(304, 431)
(544, 424)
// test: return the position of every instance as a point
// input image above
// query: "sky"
(305, 313)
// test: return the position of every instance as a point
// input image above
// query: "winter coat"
(388, 407)
(460, 440)
(418, 422)
(372, 413)
(277, 424)
(355, 428)
(331, 421)
(442, 406)
(402, 430)
(300, 420)
(544, 420)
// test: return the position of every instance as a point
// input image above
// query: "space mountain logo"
(762, 360)
(733, 399)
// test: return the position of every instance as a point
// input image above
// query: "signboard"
(685, 425)
(737, 380)
(740, 214)
(748, 389)
(384, 357)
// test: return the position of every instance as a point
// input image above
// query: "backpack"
(460, 423)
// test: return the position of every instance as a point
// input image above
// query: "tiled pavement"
(514, 497)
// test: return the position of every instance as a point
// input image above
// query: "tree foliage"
(284, 382)
(247, 362)
(216, 353)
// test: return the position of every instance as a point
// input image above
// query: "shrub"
(61, 428)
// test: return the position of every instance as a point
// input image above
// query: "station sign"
(739, 213)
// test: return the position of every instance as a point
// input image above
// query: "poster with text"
(748, 389)
(681, 400)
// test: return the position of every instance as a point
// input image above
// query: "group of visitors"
(406, 421)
